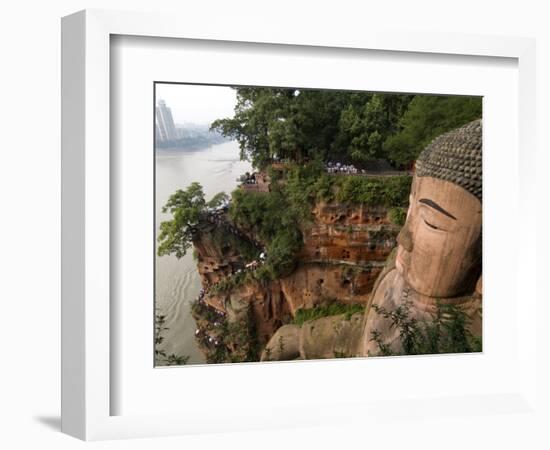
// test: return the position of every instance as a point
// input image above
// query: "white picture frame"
(87, 382)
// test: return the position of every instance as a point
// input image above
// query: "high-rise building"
(165, 127)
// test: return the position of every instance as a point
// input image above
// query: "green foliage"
(282, 252)
(365, 127)
(383, 191)
(175, 360)
(307, 124)
(300, 188)
(260, 213)
(217, 200)
(275, 218)
(231, 282)
(237, 340)
(260, 124)
(201, 311)
(186, 208)
(427, 117)
(324, 188)
(397, 216)
(160, 321)
(274, 175)
(302, 125)
(224, 239)
(331, 308)
(161, 357)
(447, 332)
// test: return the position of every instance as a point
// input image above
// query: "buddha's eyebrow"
(435, 206)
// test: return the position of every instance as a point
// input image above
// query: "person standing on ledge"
(437, 264)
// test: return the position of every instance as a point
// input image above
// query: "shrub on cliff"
(162, 358)
(225, 239)
(382, 191)
(263, 214)
(332, 308)
(398, 215)
(228, 283)
(275, 219)
(447, 332)
(282, 252)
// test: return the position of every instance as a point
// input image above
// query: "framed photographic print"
(281, 208)
(265, 223)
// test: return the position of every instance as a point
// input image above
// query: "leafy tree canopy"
(186, 207)
(427, 117)
(306, 124)
(303, 124)
(365, 127)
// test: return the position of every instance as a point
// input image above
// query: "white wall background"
(30, 195)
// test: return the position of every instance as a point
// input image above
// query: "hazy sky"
(197, 104)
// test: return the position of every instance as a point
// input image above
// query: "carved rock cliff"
(344, 250)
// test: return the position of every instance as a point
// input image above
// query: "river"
(177, 282)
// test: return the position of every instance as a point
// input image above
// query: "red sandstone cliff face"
(269, 307)
(215, 261)
(344, 251)
(217, 249)
(349, 235)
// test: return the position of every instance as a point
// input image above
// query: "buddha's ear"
(479, 285)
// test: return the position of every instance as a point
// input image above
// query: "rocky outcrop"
(220, 250)
(343, 252)
(215, 261)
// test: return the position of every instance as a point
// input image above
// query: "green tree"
(364, 127)
(307, 124)
(258, 124)
(288, 123)
(427, 117)
(161, 357)
(186, 207)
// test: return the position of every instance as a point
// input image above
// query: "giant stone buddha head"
(439, 252)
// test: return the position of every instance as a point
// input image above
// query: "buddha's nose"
(404, 238)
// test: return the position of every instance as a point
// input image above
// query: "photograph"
(295, 223)
(337, 210)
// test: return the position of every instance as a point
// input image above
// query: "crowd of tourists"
(204, 335)
(220, 209)
(339, 168)
(248, 178)
(205, 338)
(249, 267)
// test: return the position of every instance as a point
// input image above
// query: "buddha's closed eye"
(431, 225)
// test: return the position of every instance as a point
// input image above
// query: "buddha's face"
(439, 253)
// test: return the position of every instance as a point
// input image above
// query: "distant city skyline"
(197, 104)
(166, 128)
